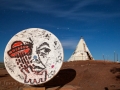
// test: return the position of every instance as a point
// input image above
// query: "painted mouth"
(38, 69)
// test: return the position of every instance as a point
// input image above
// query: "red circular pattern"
(19, 49)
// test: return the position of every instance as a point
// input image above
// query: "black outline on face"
(43, 50)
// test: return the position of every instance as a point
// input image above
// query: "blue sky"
(98, 21)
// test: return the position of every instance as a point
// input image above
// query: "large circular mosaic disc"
(33, 56)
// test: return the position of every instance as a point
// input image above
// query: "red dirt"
(77, 75)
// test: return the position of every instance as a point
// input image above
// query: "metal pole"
(114, 56)
(118, 60)
(107, 57)
(103, 57)
(117, 57)
(82, 56)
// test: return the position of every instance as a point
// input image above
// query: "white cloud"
(69, 43)
(77, 11)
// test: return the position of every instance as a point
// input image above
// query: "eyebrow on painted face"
(43, 44)
(41, 47)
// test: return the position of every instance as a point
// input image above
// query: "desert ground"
(74, 75)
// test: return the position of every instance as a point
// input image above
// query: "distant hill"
(2, 65)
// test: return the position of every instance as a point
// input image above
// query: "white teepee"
(82, 52)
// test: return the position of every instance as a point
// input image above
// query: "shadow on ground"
(62, 78)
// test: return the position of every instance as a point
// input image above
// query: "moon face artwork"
(33, 56)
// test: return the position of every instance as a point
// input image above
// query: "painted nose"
(35, 57)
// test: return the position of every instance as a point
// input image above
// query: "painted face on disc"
(33, 56)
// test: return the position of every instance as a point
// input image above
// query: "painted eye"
(47, 50)
(44, 51)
